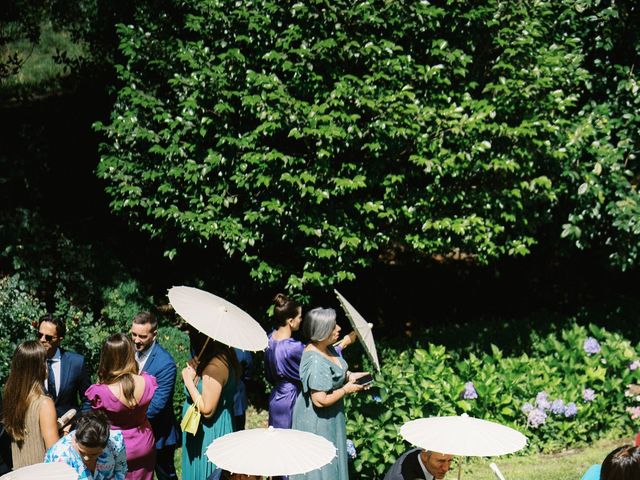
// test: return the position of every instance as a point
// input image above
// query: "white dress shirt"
(55, 365)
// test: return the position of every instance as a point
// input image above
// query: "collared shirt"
(427, 475)
(110, 465)
(409, 467)
(142, 357)
(55, 365)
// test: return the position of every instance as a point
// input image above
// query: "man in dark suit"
(418, 464)
(68, 377)
(156, 361)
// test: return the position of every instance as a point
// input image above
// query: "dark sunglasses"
(48, 338)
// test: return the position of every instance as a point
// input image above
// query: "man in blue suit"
(68, 376)
(156, 361)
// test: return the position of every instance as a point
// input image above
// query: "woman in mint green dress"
(213, 380)
(325, 381)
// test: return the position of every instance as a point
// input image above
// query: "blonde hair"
(24, 384)
(118, 365)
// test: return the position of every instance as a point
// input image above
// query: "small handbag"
(191, 419)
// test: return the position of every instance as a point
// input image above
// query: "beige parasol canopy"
(362, 328)
(217, 318)
(271, 451)
(50, 471)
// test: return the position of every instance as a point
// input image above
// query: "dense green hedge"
(346, 132)
(560, 395)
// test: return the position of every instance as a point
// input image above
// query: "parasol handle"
(202, 350)
(460, 469)
(496, 471)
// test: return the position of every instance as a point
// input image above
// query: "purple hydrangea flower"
(526, 408)
(542, 402)
(588, 395)
(591, 346)
(469, 391)
(633, 366)
(570, 410)
(536, 418)
(351, 449)
(557, 407)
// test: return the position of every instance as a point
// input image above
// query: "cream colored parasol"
(362, 328)
(50, 471)
(463, 435)
(218, 318)
(271, 452)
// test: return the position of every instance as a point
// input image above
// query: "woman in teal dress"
(212, 376)
(325, 381)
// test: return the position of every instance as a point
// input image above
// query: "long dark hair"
(24, 384)
(212, 350)
(284, 308)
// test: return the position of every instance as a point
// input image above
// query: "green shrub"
(19, 307)
(431, 382)
(176, 342)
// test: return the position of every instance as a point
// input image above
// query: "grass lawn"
(40, 73)
(567, 465)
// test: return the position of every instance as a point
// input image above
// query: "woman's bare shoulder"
(216, 368)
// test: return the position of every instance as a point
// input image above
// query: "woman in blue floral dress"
(94, 451)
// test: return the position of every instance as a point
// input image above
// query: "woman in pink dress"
(124, 396)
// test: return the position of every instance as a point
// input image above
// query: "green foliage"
(603, 143)
(339, 132)
(123, 302)
(430, 382)
(72, 280)
(19, 307)
(176, 342)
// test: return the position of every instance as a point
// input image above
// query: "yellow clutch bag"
(191, 419)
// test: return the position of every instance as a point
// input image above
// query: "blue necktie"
(51, 381)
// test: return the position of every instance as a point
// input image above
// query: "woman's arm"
(214, 377)
(48, 422)
(324, 399)
(347, 340)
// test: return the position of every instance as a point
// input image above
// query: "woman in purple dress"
(282, 361)
(124, 396)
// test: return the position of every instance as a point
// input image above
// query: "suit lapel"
(151, 358)
(64, 372)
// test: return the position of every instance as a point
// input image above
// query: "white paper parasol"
(271, 451)
(217, 318)
(50, 471)
(463, 435)
(362, 329)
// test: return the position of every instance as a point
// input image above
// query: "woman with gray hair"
(325, 382)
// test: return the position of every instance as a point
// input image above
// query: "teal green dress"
(321, 374)
(195, 464)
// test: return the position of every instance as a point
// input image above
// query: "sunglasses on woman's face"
(48, 338)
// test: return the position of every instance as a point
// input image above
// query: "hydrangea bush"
(569, 390)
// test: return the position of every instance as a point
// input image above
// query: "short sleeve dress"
(321, 374)
(282, 369)
(195, 463)
(133, 423)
